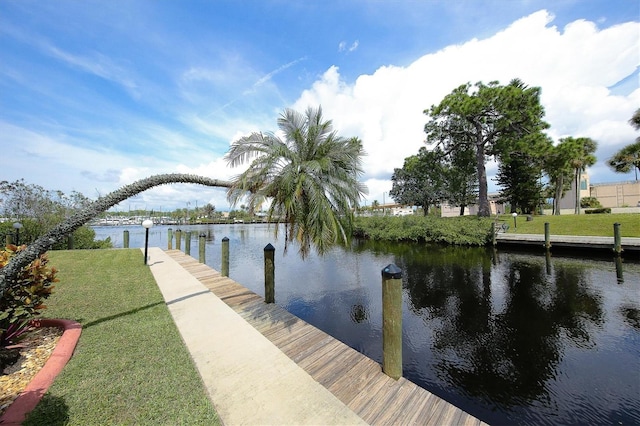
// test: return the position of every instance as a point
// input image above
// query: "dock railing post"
(187, 243)
(125, 238)
(202, 242)
(224, 270)
(547, 237)
(178, 239)
(170, 239)
(269, 274)
(617, 242)
(392, 321)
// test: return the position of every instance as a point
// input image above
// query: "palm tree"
(628, 157)
(9, 273)
(208, 210)
(581, 158)
(310, 175)
(559, 170)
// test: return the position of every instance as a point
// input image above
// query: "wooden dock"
(353, 378)
(629, 245)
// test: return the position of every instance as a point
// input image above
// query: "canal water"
(510, 337)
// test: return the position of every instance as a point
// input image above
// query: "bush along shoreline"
(463, 230)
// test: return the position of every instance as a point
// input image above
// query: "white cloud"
(92, 62)
(343, 46)
(99, 65)
(96, 171)
(574, 67)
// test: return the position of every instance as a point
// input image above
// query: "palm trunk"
(9, 273)
(577, 209)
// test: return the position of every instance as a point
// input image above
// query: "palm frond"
(310, 176)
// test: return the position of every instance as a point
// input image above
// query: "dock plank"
(353, 378)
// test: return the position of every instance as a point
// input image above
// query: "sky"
(95, 95)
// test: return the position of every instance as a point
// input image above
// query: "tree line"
(39, 209)
(477, 123)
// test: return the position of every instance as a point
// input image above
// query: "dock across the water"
(629, 245)
(263, 365)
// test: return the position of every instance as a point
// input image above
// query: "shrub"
(84, 238)
(23, 298)
(467, 230)
(590, 202)
(598, 211)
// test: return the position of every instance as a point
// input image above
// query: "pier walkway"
(262, 365)
(628, 244)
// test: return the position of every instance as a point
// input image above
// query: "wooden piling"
(547, 236)
(7, 239)
(125, 238)
(392, 321)
(70, 241)
(617, 241)
(269, 274)
(187, 243)
(224, 270)
(170, 239)
(202, 241)
(178, 239)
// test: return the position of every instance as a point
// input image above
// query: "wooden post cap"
(391, 271)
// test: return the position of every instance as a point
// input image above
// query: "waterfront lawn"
(582, 224)
(471, 230)
(130, 365)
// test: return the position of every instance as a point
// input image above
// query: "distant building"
(389, 209)
(618, 194)
(495, 207)
(569, 199)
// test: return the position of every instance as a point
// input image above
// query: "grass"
(600, 225)
(130, 365)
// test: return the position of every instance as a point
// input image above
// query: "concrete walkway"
(249, 380)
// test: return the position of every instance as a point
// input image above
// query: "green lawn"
(583, 224)
(130, 365)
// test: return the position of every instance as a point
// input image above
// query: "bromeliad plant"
(23, 300)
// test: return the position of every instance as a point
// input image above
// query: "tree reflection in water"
(503, 348)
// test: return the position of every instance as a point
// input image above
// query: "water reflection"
(619, 273)
(359, 313)
(509, 337)
(504, 329)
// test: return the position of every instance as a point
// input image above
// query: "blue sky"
(98, 94)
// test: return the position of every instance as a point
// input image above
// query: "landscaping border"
(27, 400)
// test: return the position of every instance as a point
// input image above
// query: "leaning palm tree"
(307, 172)
(9, 273)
